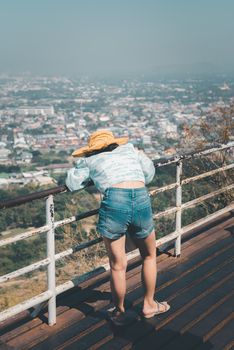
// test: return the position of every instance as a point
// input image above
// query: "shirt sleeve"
(78, 177)
(147, 166)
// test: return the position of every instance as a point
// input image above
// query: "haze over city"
(116, 37)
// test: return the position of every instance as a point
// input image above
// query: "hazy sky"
(105, 36)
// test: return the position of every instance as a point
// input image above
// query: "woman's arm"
(78, 177)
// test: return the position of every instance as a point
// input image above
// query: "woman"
(120, 172)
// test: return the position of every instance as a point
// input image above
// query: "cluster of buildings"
(44, 114)
(40, 178)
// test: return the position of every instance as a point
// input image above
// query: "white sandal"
(152, 314)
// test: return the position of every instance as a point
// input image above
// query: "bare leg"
(149, 272)
(118, 264)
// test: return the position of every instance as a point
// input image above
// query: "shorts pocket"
(115, 220)
(145, 217)
(144, 202)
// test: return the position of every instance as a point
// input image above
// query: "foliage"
(49, 158)
(217, 126)
(9, 168)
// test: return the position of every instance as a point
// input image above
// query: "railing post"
(51, 255)
(177, 249)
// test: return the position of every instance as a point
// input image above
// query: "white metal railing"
(51, 225)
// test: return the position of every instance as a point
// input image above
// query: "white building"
(171, 131)
(4, 154)
(146, 139)
(37, 110)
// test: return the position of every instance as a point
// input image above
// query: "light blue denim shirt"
(124, 163)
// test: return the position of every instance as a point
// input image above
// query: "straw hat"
(98, 140)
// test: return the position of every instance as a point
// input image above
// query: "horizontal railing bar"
(206, 196)
(45, 228)
(208, 173)
(46, 261)
(77, 280)
(175, 159)
(64, 222)
(157, 163)
(163, 189)
(192, 202)
(173, 235)
(84, 245)
(190, 179)
(165, 212)
(76, 218)
(207, 218)
(31, 197)
(24, 270)
(87, 214)
(77, 248)
(23, 235)
(25, 305)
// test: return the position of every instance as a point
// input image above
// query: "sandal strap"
(116, 310)
(159, 303)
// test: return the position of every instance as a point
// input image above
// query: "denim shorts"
(125, 210)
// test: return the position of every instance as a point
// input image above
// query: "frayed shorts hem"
(115, 236)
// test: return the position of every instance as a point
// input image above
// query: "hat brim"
(84, 150)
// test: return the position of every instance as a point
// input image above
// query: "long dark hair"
(108, 148)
